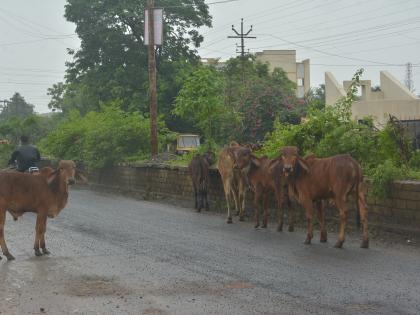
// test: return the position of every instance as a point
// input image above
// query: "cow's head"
(292, 161)
(210, 157)
(241, 157)
(67, 170)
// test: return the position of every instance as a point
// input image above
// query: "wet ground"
(116, 255)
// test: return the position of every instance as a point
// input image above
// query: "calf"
(264, 177)
(199, 172)
(45, 194)
(312, 180)
(234, 179)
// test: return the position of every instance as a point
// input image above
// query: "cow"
(199, 172)
(264, 177)
(234, 180)
(45, 194)
(312, 180)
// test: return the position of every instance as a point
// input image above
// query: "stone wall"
(400, 213)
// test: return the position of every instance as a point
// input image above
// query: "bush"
(101, 138)
(383, 176)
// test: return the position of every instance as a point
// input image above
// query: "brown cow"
(265, 176)
(234, 180)
(199, 171)
(45, 194)
(313, 180)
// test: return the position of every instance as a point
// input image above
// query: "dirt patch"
(154, 311)
(86, 286)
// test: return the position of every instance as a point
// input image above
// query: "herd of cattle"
(310, 181)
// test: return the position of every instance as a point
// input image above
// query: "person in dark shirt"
(25, 156)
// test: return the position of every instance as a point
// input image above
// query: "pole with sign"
(153, 19)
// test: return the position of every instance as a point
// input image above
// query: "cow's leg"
(257, 196)
(39, 231)
(265, 206)
(241, 195)
(308, 205)
(44, 249)
(195, 198)
(228, 192)
(364, 218)
(340, 202)
(4, 248)
(321, 218)
(207, 207)
(280, 208)
(200, 199)
(291, 214)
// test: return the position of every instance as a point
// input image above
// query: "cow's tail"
(358, 199)
(203, 179)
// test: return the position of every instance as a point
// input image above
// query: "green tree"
(112, 61)
(201, 101)
(261, 96)
(17, 107)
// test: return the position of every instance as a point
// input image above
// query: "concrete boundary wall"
(400, 213)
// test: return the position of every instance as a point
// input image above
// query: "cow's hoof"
(38, 252)
(307, 241)
(256, 226)
(9, 257)
(339, 244)
(264, 226)
(291, 228)
(241, 218)
(365, 244)
(198, 210)
(323, 238)
(279, 228)
(229, 221)
(45, 251)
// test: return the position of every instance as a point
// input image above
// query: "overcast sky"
(336, 35)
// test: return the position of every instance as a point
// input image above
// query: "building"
(297, 72)
(392, 98)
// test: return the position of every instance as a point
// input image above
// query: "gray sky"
(336, 35)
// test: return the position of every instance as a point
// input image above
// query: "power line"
(327, 53)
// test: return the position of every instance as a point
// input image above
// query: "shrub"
(102, 138)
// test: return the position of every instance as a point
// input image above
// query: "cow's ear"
(303, 164)
(81, 176)
(273, 164)
(255, 161)
(52, 176)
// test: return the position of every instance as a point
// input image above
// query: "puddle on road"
(87, 286)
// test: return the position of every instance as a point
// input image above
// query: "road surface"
(116, 255)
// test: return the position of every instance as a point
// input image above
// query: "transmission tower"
(409, 83)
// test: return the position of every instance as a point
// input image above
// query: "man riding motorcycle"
(26, 156)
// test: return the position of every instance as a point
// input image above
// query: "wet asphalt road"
(115, 255)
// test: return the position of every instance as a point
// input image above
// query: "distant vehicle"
(186, 143)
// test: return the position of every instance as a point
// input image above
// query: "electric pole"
(242, 36)
(152, 79)
(409, 76)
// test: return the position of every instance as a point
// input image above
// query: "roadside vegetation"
(102, 113)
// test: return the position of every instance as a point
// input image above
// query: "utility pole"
(242, 36)
(152, 79)
(409, 76)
